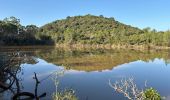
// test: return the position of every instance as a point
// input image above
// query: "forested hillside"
(91, 29)
(86, 29)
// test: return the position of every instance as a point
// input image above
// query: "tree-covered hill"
(80, 30)
(88, 29)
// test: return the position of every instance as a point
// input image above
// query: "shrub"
(151, 94)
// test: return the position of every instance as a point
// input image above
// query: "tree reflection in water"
(12, 82)
(79, 60)
(10, 66)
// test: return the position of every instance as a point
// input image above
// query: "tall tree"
(13, 20)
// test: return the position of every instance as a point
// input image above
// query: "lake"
(84, 72)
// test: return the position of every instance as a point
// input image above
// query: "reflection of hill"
(98, 60)
(85, 60)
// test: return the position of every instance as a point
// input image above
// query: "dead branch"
(128, 88)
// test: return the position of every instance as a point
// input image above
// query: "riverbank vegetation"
(13, 33)
(82, 30)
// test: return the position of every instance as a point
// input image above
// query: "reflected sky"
(94, 85)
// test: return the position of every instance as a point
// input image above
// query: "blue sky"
(139, 13)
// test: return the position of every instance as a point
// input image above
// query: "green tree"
(13, 20)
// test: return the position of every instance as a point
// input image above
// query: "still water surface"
(87, 72)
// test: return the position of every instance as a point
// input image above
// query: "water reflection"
(98, 60)
(86, 72)
(10, 81)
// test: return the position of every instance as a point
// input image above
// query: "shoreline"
(109, 46)
(93, 46)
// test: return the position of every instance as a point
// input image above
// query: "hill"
(79, 30)
(88, 29)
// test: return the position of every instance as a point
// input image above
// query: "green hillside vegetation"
(88, 29)
(13, 33)
(91, 29)
(80, 30)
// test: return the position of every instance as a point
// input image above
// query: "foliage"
(151, 94)
(86, 29)
(13, 33)
(91, 29)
